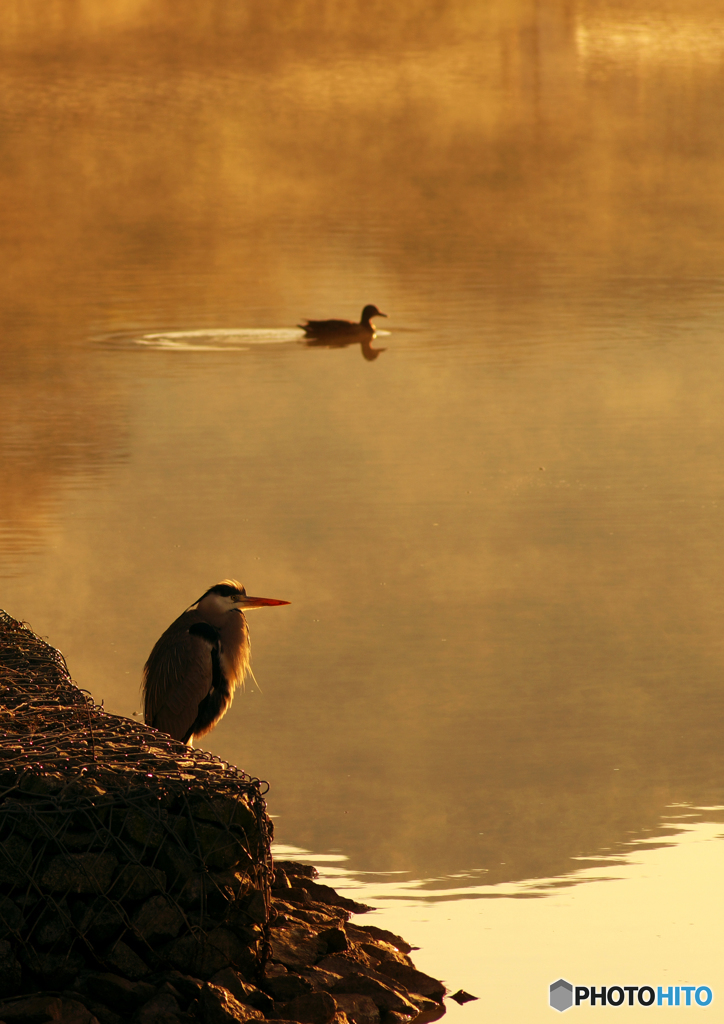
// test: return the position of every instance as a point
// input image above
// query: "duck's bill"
(259, 602)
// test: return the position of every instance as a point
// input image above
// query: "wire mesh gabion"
(121, 849)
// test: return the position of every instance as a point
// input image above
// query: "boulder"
(158, 920)
(41, 1008)
(294, 946)
(218, 1006)
(413, 980)
(162, 1009)
(123, 958)
(52, 970)
(10, 970)
(137, 881)
(79, 873)
(312, 1008)
(384, 997)
(285, 987)
(125, 996)
(358, 1008)
(242, 990)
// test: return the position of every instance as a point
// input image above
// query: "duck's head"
(369, 311)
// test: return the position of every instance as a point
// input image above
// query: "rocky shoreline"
(137, 885)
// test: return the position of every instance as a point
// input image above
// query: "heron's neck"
(234, 647)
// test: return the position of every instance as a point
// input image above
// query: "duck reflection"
(368, 352)
(341, 333)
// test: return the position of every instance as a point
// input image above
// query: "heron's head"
(230, 596)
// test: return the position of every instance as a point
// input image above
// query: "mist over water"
(501, 535)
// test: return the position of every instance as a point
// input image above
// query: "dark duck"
(343, 328)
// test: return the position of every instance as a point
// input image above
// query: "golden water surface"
(502, 534)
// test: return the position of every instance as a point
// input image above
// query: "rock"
(40, 785)
(105, 1016)
(10, 970)
(249, 909)
(461, 997)
(335, 940)
(226, 810)
(53, 970)
(294, 946)
(295, 895)
(186, 954)
(16, 858)
(41, 1009)
(384, 997)
(344, 966)
(413, 980)
(203, 956)
(279, 879)
(82, 789)
(157, 920)
(119, 993)
(287, 986)
(127, 962)
(100, 922)
(79, 873)
(319, 979)
(31, 1010)
(54, 925)
(380, 952)
(232, 881)
(218, 1006)
(194, 956)
(168, 989)
(292, 868)
(188, 987)
(193, 891)
(218, 848)
(144, 826)
(242, 990)
(326, 894)
(390, 1017)
(176, 862)
(78, 840)
(236, 952)
(362, 932)
(136, 882)
(358, 1008)
(313, 1008)
(162, 1009)
(11, 917)
(319, 916)
(179, 825)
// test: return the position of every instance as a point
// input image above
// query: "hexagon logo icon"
(561, 995)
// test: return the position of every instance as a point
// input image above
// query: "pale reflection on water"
(502, 538)
(634, 921)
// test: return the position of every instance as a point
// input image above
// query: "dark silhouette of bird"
(195, 666)
(343, 328)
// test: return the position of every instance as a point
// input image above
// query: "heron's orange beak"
(257, 602)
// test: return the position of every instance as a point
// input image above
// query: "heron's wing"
(179, 674)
